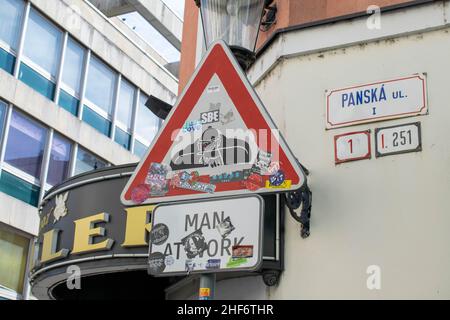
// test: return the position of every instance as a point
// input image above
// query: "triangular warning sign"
(218, 140)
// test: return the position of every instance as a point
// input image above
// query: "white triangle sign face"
(218, 140)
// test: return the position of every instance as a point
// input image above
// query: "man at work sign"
(209, 236)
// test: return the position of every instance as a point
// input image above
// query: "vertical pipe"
(207, 286)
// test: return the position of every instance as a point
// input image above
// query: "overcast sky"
(151, 35)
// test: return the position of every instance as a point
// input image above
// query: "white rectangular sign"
(206, 237)
(399, 139)
(352, 146)
(382, 100)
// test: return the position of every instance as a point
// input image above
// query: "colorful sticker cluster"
(191, 126)
(264, 173)
(184, 180)
(157, 179)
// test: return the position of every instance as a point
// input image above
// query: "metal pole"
(207, 286)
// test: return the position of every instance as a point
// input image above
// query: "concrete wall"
(112, 8)
(18, 214)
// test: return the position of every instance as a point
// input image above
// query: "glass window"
(101, 85)
(139, 149)
(13, 260)
(126, 102)
(2, 118)
(73, 65)
(58, 169)
(19, 189)
(25, 145)
(7, 61)
(43, 43)
(123, 138)
(86, 161)
(11, 12)
(36, 81)
(147, 123)
(68, 102)
(97, 121)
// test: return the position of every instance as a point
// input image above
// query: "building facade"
(74, 84)
(379, 224)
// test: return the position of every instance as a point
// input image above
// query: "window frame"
(8, 48)
(86, 102)
(9, 293)
(82, 149)
(62, 84)
(119, 123)
(123, 128)
(92, 105)
(34, 65)
(19, 174)
(46, 185)
(40, 182)
(81, 96)
(137, 136)
(3, 125)
(27, 61)
(22, 59)
(16, 171)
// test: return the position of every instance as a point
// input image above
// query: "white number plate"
(399, 139)
(352, 146)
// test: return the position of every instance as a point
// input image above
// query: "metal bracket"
(301, 198)
(269, 17)
(271, 277)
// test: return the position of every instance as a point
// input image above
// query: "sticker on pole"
(207, 236)
(218, 140)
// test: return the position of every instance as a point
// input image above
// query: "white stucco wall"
(393, 212)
